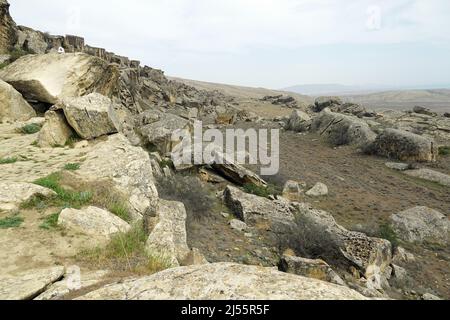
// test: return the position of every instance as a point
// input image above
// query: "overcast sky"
(269, 43)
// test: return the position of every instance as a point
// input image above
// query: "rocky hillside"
(92, 207)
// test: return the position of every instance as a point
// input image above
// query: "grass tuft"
(126, 252)
(50, 222)
(72, 166)
(385, 231)
(8, 160)
(11, 222)
(261, 191)
(31, 128)
(444, 151)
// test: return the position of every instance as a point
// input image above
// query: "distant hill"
(327, 89)
(438, 99)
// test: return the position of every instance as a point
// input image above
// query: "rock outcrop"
(12, 105)
(338, 129)
(299, 121)
(168, 237)
(422, 224)
(8, 28)
(55, 131)
(128, 167)
(404, 146)
(51, 77)
(90, 116)
(319, 190)
(93, 221)
(430, 175)
(28, 285)
(12, 195)
(223, 281)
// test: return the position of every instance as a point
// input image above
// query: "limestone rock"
(317, 269)
(93, 221)
(430, 297)
(8, 28)
(72, 282)
(318, 190)
(55, 131)
(194, 258)
(422, 224)
(404, 146)
(223, 281)
(168, 237)
(50, 77)
(238, 225)
(28, 285)
(299, 121)
(338, 129)
(12, 105)
(128, 167)
(430, 175)
(401, 256)
(12, 195)
(423, 110)
(31, 40)
(399, 273)
(398, 166)
(322, 103)
(89, 115)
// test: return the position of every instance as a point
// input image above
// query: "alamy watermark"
(196, 146)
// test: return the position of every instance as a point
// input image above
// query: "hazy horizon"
(265, 43)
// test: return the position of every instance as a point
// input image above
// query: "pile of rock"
(280, 100)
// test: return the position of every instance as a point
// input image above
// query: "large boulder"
(55, 131)
(339, 129)
(422, 224)
(93, 221)
(317, 269)
(223, 281)
(322, 103)
(51, 77)
(299, 121)
(12, 195)
(90, 116)
(372, 256)
(128, 167)
(28, 285)
(31, 40)
(12, 105)
(404, 146)
(168, 237)
(430, 175)
(8, 28)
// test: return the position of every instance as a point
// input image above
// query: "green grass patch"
(386, 232)
(3, 64)
(166, 163)
(72, 166)
(120, 209)
(11, 222)
(261, 191)
(126, 252)
(444, 151)
(8, 160)
(18, 53)
(50, 222)
(31, 128)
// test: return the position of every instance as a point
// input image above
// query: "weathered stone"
(430, 297)
(318, 190)
(404, 146)
(398, 166)
(50, 77)
(8, 28)
(238, 225)
(299, 121)
(338, 129)
(194, 258)
(422, 224)
(12, 105)
(31, 40)
(423, 110)
(168, 237)
(128, 167)
(72, 282)
(12, 195)
(55, 131)
(322, 103)
(90, 115)
(223, 281)
(430, 175)
(401, 256)
(93, 221)
(399, 273)
(27, 285)
(317, 269)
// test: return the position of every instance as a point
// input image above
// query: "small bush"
(31, 128)
(126, 252)
(198, 200)
(18, 53)
(8, 160)
(166, 163)
(11, 222)
(444, 151)
(50, 222)
(72, 166)
(3, 64)
(260, 191)
(385, 231)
